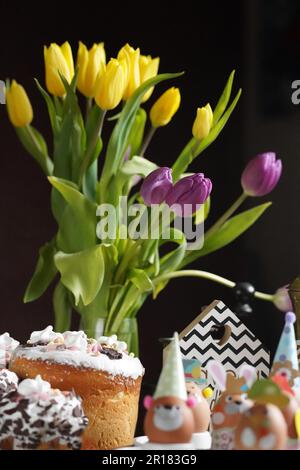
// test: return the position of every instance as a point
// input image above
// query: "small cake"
(102, 372)
(34, 416)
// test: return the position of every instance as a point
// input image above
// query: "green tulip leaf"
(44, 273)
(224, 99)
(202, 214)
(62, 154)
(77, 227)
(138, 166)
(90, 178)
(51, 108)
(136, 134)
(82, 273)
(229, 232)
(98, 308)
(141, 280)
(171, 260)
(62, 308)
(94, 144)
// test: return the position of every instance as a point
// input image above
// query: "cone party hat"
(171, 382)
(286, 360)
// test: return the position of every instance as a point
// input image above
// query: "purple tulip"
(156, 186)
(189, 193)
(282, 299)
(261, 174)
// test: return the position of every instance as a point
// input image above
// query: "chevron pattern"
(241, 348)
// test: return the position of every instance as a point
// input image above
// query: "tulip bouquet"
(107, 279)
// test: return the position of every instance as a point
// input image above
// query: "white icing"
(75, 340)
(128, 366)
(7, 343)
(34, 388)
(44, 336)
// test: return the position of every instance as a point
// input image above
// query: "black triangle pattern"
(205, 336)
(220, 351)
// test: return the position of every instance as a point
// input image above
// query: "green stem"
(147, 141)
(46, 163)
(227, 214)
(130, 252)
(91, 147)
(89, 103)
(207, 275)
(187, 155)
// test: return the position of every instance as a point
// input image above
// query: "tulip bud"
(148, 69)
(165, 107)
(189, 193)
(58, 61)
(90, 64)
(261, 174)
(156, 186)
(131, 57)
(110, 85)
(203, 122)
(18, 105)
(282, 299)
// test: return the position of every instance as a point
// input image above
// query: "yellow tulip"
(58, 60)
(18, 105)
(203, 122)
(90, 64)
(165, 107)
(131, 57)
(148, 69)
(110, 85)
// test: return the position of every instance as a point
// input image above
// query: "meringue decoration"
(37, 387)
(75, 340)
(7, 343)
(44, 336)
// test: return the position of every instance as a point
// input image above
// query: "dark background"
(261, 39)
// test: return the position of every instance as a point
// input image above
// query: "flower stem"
(89, 103)
(91, 147)
(227, 214)
(147, 140)
(207, 275)
(44, 160)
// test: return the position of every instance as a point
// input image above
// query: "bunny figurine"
(231, 403)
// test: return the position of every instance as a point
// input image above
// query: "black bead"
(244, 294)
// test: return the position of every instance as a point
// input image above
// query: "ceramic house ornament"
(218, 334)
(169, 422)
(232, 402)
(286, 359)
